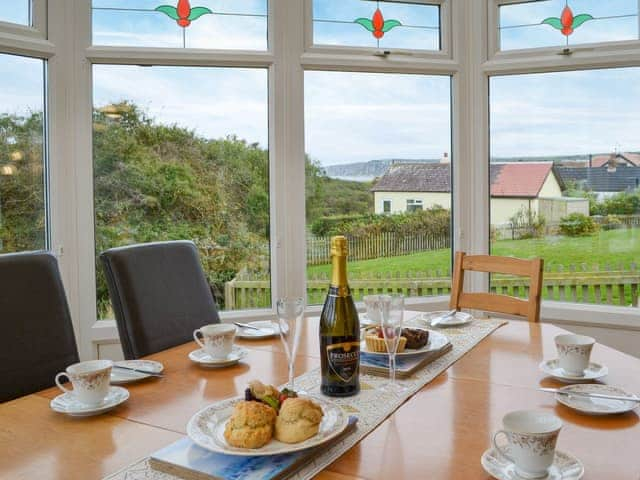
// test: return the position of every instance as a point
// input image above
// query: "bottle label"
(343, 358)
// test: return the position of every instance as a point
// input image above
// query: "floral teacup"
(574, 352)
(90, 380)
(217, 339)
(532, 437)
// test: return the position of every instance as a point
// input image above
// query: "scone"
(299, 419)
(250, 425)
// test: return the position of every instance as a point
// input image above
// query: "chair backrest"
(37, 339)
(159, 294)
(491, 302)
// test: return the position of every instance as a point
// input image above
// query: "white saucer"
(203, 359)
(457, 320)
(565, 467)
(119, 376)
(267, 329)
(552, 368)
(67, 403)
(597, 406)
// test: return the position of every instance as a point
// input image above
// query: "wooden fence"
(610, 285)
(389, 244)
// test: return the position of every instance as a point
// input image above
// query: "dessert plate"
(564, 467)
(457, 320)
(206, 428)
(436, 341)
(205, 360)
(593, 372)
(67, 403)
(597, 406)
(119, 377)
(267, 330)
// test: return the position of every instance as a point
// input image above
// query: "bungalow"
(518, 186)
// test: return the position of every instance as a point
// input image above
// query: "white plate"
(457, 320)
(552, 368)
(203, 359)
(119, 376)
(67, 403)
(597, 406)
(206, 428)
(267, 329)
(564, 467)
(436, 341)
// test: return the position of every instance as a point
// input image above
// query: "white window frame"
(467, 57)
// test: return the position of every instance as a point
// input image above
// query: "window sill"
(604, 316)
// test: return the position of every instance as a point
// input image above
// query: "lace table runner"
(372, 406)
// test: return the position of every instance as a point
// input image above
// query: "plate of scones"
(267, 421)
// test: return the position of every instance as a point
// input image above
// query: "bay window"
(260, 128)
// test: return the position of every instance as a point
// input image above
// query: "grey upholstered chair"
(36, 333)
(159, 294)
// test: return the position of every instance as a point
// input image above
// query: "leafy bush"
(611, 222)
(578, 225)
(528, 223)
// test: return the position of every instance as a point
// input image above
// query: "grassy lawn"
(605, 248)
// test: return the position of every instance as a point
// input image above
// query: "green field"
(611, 247)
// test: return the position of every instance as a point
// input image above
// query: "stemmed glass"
(290, 313)
(391, 318)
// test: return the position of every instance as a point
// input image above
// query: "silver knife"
(146, 372)
(436, 321)
(593, 395)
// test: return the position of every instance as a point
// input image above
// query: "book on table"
(405, 365)
(187, 460)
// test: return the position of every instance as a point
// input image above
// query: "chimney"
(445, 158)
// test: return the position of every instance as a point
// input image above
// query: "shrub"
(611, 222)
(578, 225)
(528, 223)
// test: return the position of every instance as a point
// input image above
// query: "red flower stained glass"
(183, 14)
(378, 26)
(567, 23)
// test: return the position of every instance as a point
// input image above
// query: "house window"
(16, 11)
(564, 181)
(377, 24)
(386, 206)
(23, 214)
(550, 23)
(362, 129)
(171, 162)
(414, 205)
(226, 24)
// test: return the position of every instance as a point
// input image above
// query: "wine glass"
(391, 318)
(290, 314)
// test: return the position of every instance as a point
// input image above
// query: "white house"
(528, 186)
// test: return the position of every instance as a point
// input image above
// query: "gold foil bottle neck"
(339, 246)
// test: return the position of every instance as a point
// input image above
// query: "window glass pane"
(565, 178)
(217, 24)
(181, 153)
(22, 172)
(551, 23)
(377, 173)
(376, 24)
(16, 11)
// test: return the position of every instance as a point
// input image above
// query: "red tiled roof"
(520, 179)
(632, 158)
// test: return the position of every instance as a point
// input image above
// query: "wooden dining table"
(439, 433)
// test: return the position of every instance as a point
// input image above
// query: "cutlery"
(436, 321)
(246, 325)
(592, 395)
(146, 372)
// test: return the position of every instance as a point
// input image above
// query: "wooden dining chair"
(159, 294)
(493, 302)
(37, 338)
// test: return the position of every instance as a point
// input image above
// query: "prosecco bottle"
(339, 330)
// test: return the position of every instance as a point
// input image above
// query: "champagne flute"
(290, 314)
(391, 318)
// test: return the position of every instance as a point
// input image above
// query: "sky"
(352, 117)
